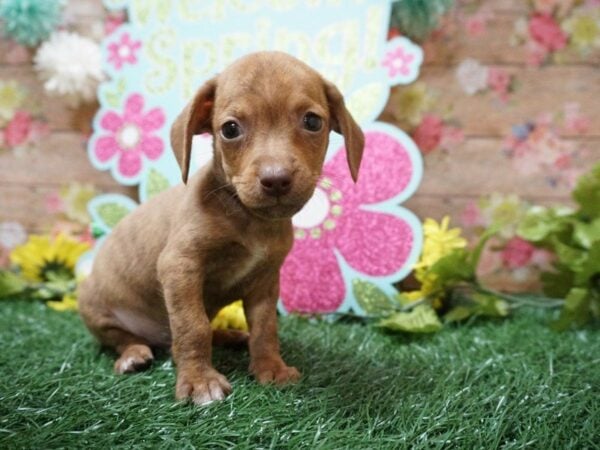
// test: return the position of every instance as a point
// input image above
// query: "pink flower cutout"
(338, 222)
(544, 30)
(428, 133)
(476, 25)
(130, 137)
(398, 62)
(17, 130)
(499, 80)
(123, 51)
(113, 22)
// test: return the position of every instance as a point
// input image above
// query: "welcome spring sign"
(351, 240)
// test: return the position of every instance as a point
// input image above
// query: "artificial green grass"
(502, 384)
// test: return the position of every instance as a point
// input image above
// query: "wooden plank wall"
(452, 179)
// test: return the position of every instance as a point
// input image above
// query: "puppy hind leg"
(134, 352)
(230, 338)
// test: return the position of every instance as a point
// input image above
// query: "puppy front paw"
(201, 386)
(275, 372)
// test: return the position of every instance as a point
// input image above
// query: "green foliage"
(476, 304)
(11, 284)
(417, 18)
(371, 299)
(574, 237)
(422, 319)
(14, 286)
(587, 193)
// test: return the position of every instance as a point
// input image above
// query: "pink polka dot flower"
(353, 232)
(126, 139)
(123, 51)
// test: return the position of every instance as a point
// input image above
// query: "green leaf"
(459, 313)
(422, 319)
(107, 210)
(477, 304)
(112, 213)
(156, 183)
(453, 268)
(587, 192)
(372, 299)
(113, 97)
(590, 267)
(11, 284)
(539, 223)
(575, 311)
(572, 257)
(490, 305)
(586, 234)
(478, 250)
(558, 283)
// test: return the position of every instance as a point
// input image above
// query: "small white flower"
(12, 234)
(472, 76)
(71, 67)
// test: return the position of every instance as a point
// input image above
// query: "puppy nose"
(275, 181)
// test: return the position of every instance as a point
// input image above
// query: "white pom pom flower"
(70, 66)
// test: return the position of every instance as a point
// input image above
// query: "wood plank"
(59, 115)
(26, 204)
(438, 206)
(539, 91)
(62, 157)
(85, 8)
(479, 166)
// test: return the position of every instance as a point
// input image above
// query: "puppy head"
(270, 116)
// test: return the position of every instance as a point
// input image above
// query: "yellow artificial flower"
(76, 197)
(231, 317)
(11, 98)
(411, 104)
(41, 255)
(68, 303)
(584, 29)
(438, 242)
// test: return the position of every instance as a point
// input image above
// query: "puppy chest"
(232, 265)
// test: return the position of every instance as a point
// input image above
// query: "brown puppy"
(167, 268)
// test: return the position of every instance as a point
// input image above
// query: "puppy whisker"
(208, 194)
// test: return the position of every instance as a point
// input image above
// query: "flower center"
(124, 51)
(314, 212)
(55, 271)
(319, 213)
(129, 136)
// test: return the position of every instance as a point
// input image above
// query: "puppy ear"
(343, 123)
(194, 119)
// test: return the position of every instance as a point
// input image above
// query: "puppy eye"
(312, 122)
(231, 130)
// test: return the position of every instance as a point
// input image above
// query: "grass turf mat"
(508, 384)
